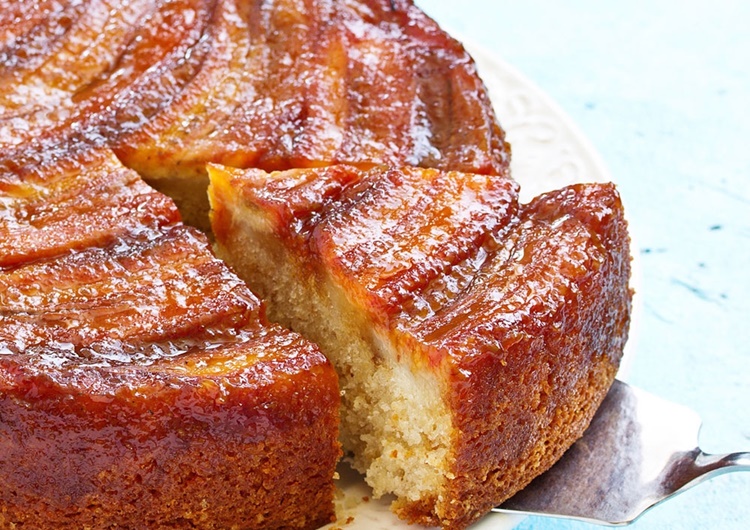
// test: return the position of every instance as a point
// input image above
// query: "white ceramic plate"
(549, 152)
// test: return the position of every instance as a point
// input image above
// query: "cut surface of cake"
(140, 382)
(474, 336)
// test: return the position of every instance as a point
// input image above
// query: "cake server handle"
(639, 451)
(704, 466)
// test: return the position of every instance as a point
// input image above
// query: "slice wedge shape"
(474, 336)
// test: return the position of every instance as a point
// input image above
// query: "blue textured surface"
(662, 90)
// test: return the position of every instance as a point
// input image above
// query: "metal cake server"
(638, 451)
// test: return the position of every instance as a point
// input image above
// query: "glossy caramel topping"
(308, 83)
(96, 271)
(155, 292)
(538, 265)
(562, 244)
(108, 70)
(118, 326)
(385, 234)
(566, 257)
(136, 370)
(449, 261)
(171, 85)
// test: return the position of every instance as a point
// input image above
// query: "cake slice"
(141, 384)
(474, 337)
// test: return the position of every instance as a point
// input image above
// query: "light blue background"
(662, 90)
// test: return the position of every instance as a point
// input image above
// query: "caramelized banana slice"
(51, 212)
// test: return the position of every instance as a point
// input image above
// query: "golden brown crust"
(131, 447)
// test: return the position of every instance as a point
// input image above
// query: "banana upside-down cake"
(360, 186)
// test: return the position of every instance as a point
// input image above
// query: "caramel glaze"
(141, 385)
(386, 234)
(521, 311)
(275, 85)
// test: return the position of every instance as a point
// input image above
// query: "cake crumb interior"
(394, 423)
